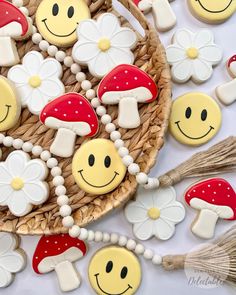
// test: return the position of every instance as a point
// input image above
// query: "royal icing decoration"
(212, 11)
(127, 85)
(114, 270)
(72, 115)
(37, 81)
(192, 55)
(12, 259)
(10, 106)
(227, 92)
(213, 198)
(58, 253)
(103, 44)
(97, 167)
(14, 25)
(57, 20)
(163, 14)
(22, 183)
(195, 118)
(155, 213)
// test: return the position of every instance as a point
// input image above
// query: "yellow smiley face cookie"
(57, 20)
(97, 167)
(212, 11)
(114, 271)
(10, 106)
(195, 118)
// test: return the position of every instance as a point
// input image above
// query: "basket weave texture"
(143, 143)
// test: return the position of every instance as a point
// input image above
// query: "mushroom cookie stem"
(128, 113)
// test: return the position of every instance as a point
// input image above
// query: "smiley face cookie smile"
(194, 138)
(7, 113)
(60, 36)
(205, 7)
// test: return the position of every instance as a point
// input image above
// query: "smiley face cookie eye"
(91, 160)
(109, 266)
(71, 12)
(124, 272)
(188, 112)
(55, 9)
(204, 115)
(107, 162)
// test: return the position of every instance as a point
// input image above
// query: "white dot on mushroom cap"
(18, 18)
(78, 244)
(89, 116)
(7, 12)
(59, 249)
(45, 252)
(127, 83)
(47, 241)
(104, 88)
(80, 102)
(228, 188)
(64, 115)
(126, 72)
(62, 235)
(228, 196)
(219, 184)
(56, 242)
(203, 192)
(36, 257)
(213, 200)
(69, 102)
(149, 83)
(66, 244)
(55, 110)
(44, 114)
(117, 87)
(92, 125)
(194, 191)
(214, 193)
(135, 78)
(209, 185)
(115, 78)
(76, 112)
(188, 195)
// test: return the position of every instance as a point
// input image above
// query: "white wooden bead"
(68, 61)
(95, 102)
(56, 171)
(123, 151)
(17, 143)
(114, 238)
(52, 50)
(24, 10)
(43, 45)
(18, 3)
(133, 169)
(75, 68)
(52, 162)
(62, 200)
(1, 137)
(83, 234)
(98, 236)
(36, 38)
(157, 259)
(60, 190)
(110, 127)
(60, 56)
(152, 183)
(58, 180)
(65, 210)
(90, 93)
(106, 119)
(119, 143)
(131, 244)
(91, 235)
(45, 155)
(74, 232)
(34, 29)
(148, 254)
(101, 111)
(139, 249)
(122, 241)
(86, 85)
(68, 221)
(27, 147)
(127, 160)
(80, 77)
(142, 178)
(106, 237)
(37, 150)
(8, 141)
(115, 135)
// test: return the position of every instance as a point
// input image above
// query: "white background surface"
(155, 280)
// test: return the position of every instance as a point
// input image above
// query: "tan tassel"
(219, 158)
(217, 259)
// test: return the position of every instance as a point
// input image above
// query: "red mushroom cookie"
(58, 252)
(214, 198)
(127, 86)
(72, 115)
(13, 25)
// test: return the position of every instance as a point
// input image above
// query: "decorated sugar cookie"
(227, 92)
(14, 25)
(12, 258)
(37, 81)
(212, 11)
(195, 118)
(57, 20)
(114, 270)
(97, 167)
(127, 85)
(10, 106)
(213, 198)
(58, 253)
(103, 44)
(163, 14)
(22, 183)
(192, 55)
(155, 213)
(72, 115)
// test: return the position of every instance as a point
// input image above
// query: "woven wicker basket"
(143, 142)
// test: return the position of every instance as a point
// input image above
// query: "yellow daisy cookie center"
(35, 81)
(192, 53)
(154, 213)
(104, 44)
(17, 183)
